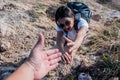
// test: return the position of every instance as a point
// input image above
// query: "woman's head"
(64, 18)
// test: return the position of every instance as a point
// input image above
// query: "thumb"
(66, 39)
(40, 42)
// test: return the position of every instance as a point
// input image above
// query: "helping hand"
(70, 50)
(72, 46)
(43, 61)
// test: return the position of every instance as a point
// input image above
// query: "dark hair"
(62, 12)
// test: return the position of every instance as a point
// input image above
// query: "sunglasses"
(67, 23)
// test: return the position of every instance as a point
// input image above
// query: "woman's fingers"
(70, 44)
(72, 48)
(66, 58)
(63, 58)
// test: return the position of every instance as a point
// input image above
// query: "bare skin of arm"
(74, 45)
(38, 64)
(79, 38)
(24, 72)
(66, 57)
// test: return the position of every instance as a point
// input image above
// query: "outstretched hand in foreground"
(38, 64)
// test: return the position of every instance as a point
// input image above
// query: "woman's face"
(66, 23)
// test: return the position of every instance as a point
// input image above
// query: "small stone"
(4, 46)
(4, 75)
(96, 17)
(108, 23)
(114, 78)
(52, 73)
(51, 11)
(84, 76)
(9, 6)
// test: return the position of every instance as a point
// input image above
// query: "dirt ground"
(20, 23)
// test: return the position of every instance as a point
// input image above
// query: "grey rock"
(84, 76)
(96, 17)
(4, 75)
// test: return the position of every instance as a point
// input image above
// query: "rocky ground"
(21, 21)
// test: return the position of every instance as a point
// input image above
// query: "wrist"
(24, 72)
(33, 67)
(30, 65)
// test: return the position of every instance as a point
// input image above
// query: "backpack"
(80, 10)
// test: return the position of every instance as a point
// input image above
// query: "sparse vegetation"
(65, 1)
(70, 77)
(33, 14)
(107, 68)
(51, 11)
(109, 44)
(104, 47)
(9, 6)
(39, 6)
(104, 1)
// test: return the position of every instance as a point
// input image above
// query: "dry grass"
(107, 44)
(104, 1)
(36, 11)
